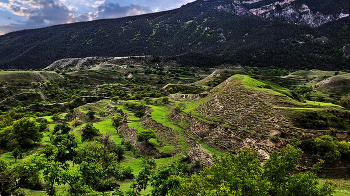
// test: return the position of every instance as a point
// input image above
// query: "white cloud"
(111, 10)
(97, 4)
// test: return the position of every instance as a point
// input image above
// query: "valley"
(199, 113)
(216, 97)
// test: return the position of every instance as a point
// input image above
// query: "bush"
(165, 99)
(325, 147)
(139, 113)
(75, 122)
(345, 102)
(115, 99)
(89, 132)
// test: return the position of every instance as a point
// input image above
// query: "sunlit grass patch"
(160, 114)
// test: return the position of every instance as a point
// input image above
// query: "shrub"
(345, 102)
(75, 122)
(115, 99)
(89, 132)
(139, 113)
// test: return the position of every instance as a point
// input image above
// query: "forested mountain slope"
(227, 31)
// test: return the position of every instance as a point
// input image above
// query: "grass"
(46, 137)
(321, 104)
(7, 157)
(343, 186)
(136, 164)
(166, 149)
(262, 86)
(48, 118)
(160, 114)
(213, 151)
(106, 127)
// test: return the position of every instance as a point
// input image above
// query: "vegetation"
(178, 122)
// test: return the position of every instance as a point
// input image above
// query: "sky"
(29, 14)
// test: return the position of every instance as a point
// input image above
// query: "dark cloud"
(111, 10)
(9, 18)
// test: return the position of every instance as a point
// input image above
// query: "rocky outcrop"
(290, 11)
(346, 51)
(230, 140)
(187, 96)
(199, 154)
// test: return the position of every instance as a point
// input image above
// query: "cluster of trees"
(240, 174)
(21, 134)
(95, 158)
(96, 167)
(139, 109)
(327, 148)
(323, 120)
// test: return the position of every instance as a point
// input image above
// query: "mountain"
(201, 33)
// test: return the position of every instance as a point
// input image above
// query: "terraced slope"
(246, 112)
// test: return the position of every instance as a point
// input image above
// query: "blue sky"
(28, 14)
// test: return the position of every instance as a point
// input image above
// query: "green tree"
(145, 136)
(91, 114)
(89, 132)
(66, 145)
(7, 181)
(117, 121)
(48, 150)
(26, 132)
(115, 99)
(164, 181)
(165, 99)
(345, 102)
(280, 170)
(325, 147)
(144, 176)
(244, 175)
(15, 153)
(230, 175)
(61, 129)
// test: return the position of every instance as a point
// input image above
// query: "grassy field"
(106, 127)
(160, 114)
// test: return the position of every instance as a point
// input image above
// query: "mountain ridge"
(197, 27)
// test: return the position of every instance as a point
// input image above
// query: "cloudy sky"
(27, 14)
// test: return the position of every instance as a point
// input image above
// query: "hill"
(203, 33)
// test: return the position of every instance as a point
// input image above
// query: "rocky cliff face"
(291, 11)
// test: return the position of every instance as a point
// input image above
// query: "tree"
(26, 132)
(143, 178)
(165, 99)
(7, 182)
(89, 132)
(115, 99)
(325, 147)
(91, 114)
(230, 175)
(66, 145)
(61, 129)
(48, 150)
(145, 136)
(280, 170)
(15, 153)
(244, 175)
(164, 181)
(117, 121)
(345, 102)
